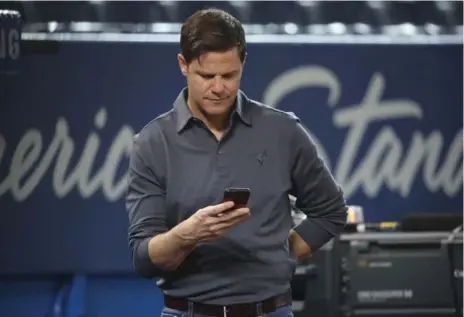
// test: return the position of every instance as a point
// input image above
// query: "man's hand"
(298, 245)
(169, 249)
(211, 222)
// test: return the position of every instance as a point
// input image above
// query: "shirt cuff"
(142, 262)
(313, 233)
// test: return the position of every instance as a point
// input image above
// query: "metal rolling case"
(453, 249)
(395, 274)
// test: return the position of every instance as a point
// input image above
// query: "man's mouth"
(216, 100)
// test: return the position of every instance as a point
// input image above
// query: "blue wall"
(388, 119)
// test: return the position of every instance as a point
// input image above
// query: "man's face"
(213, 80)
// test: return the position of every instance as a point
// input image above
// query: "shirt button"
(220, 152)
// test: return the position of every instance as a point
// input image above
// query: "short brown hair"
(211, 30)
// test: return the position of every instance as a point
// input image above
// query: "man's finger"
(220, 208)
(222, 222)
(220, 228)
(236, 213)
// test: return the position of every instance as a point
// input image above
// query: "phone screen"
(239, 196)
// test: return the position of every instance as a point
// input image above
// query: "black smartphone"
(239, 196)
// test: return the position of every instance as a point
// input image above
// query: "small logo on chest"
(261, 157)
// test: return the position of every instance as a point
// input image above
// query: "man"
(214, 259)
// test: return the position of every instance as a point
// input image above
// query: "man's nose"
(218, 85)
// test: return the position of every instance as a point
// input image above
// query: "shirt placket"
(222, 167)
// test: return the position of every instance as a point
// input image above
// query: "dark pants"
(285, 311)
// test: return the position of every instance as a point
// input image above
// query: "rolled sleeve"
(316, 191)
(145, 204)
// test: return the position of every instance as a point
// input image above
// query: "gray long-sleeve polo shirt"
(177, 167)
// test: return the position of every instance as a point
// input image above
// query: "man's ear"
(244, 59)
(182, 64)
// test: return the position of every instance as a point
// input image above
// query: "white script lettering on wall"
(386, 162)
(31, 161)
